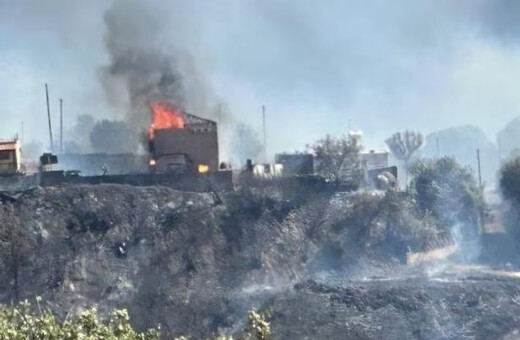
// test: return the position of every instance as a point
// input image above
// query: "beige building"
(198, 140)
(10, 157)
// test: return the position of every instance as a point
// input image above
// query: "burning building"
(181, 142)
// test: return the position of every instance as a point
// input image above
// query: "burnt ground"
(476, 307)
(329, 266)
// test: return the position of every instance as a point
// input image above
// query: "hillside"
(196, 265)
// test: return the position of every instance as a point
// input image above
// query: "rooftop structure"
(10, 157)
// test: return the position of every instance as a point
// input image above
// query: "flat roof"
(9, 144)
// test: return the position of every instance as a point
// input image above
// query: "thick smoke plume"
(145, 64)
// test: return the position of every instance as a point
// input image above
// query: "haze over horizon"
(382, 66)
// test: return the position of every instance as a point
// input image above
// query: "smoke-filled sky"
(318, 66)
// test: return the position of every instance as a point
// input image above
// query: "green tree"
(21, 323)
(337, 159)
(510, 187)
(510, 180)
(448, 191)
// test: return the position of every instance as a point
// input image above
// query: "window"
(5, 155)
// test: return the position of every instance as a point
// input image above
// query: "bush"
(510, 180)
(337, 159)
(20, 323)
(510, 187)
(448, 191)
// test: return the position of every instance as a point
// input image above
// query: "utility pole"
(479, 171)
(265, 139)
(49, 116)
(61, 126)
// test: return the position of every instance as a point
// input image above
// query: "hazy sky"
(317, 65)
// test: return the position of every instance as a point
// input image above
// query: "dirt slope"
(196, 267)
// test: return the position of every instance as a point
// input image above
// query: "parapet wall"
(208, 182)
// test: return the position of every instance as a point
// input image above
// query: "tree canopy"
(337, 159)
(447, 190)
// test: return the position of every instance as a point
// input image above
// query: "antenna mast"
(61, 125)
(49, 115)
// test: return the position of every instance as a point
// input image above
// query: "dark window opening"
(5, 154)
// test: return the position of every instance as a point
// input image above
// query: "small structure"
(374, 159)
(296, 163)
(10, 157)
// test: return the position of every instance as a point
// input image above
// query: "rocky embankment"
(196, 263)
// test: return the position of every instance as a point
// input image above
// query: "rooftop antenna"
(265, 139)
(61, 125)
(479, 171)
(49, 115)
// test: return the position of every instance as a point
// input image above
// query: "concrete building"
(10, 157)
(374, 159)
(295, 163)
(198, 140)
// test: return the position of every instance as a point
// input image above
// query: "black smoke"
(146, 65)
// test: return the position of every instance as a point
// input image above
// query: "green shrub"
(447, 191)
(510, 180)
(21, 323)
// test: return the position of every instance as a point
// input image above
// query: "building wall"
(9, 157)
(374, 159)
(91, 164)
(200, 145)
(296, 164)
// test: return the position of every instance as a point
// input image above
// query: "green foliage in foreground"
(21, 323)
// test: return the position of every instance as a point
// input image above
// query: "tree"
(448, 191)
(114, 136)
(510, 180)
(14, 246)
(404, 145)
(20, 322)
(337, 159)
(245, 144)
(462, 142)
(510, 186)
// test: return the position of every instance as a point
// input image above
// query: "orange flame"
(165, 116)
